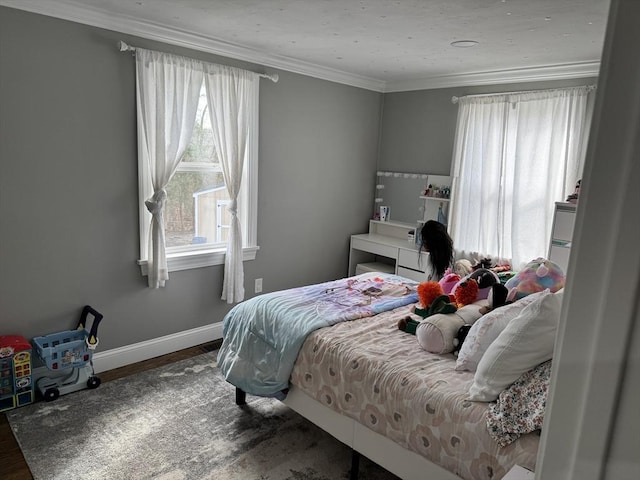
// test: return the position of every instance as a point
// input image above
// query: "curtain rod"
(124, 47)
(455, 99)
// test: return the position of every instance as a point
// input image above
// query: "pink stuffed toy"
(448, 281)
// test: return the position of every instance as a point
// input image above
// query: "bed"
(352, 372)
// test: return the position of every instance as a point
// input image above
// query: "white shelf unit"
(433, 203)
(564, 219)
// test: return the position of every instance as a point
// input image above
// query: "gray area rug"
(177, 422)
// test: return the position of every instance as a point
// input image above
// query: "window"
(515, 155)
(196, 191)
(171, 92)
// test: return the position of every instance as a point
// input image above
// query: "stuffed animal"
(461, 336)
(462, 267)
(448, 281)
(536, 276)
(465, 292)
(439, 305)
(485, 279)
(497, 298)
(432, 300)
(437, 333)
(428, 292)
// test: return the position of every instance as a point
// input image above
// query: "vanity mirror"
(411, 198)
(401, 193)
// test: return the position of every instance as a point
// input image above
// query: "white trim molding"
(78, 12)
(198, 259)
(516, 75)
(138, 352)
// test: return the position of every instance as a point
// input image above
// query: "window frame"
(204, 255)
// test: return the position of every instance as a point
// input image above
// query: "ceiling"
(375, 44)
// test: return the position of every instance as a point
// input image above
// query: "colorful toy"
(485, 279)
(432, 300)
(465, 292)
(448, 281)
(16, 385)
(68, 358)
(537, 275)
(428, 292)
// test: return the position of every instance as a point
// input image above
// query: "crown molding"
(81, 13)
(87, 15)
(516, 75)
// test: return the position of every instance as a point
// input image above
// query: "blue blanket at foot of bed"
(263, 335)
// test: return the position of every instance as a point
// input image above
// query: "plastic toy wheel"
(50, 394)
(93, 382)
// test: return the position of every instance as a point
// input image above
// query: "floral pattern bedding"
(369, 370)
(520, 408)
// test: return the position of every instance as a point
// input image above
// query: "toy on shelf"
(16, 385)
(68, 358)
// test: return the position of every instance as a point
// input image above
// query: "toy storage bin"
(71, 348)
(68, 359)
(63, 350)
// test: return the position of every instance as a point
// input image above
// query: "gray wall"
(68, 180)
(418, 127)
(69, 187)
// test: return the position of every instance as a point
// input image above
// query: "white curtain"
(168, 89)
(515, 155)
(232, 96)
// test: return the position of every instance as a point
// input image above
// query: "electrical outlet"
(258, 288)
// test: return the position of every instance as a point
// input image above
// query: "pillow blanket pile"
(484, 331)
(527, 341)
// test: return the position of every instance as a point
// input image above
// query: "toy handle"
(92, 339)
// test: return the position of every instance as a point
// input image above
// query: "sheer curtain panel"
(167, 88)
(232, 95)
(515, 155)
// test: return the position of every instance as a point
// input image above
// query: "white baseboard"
(137, 352)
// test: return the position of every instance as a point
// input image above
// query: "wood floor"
(12, 463)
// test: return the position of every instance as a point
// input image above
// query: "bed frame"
(362, 440)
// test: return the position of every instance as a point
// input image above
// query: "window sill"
(199, 259)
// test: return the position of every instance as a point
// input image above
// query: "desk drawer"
(373, 247)
(412, 274)
(410, 259)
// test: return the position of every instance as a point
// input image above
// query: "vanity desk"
(386, 248)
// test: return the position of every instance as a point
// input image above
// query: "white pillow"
(525, 342)
(483, 332)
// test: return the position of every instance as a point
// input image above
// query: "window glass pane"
(191, 213)
(201, 148)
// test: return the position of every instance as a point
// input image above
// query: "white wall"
(591, 431)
